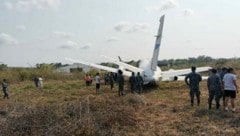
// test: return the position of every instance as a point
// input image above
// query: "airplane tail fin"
(119, 58)
(154, 60)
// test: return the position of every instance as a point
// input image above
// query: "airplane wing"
(124, 65)
(109, 69)
(170, 74)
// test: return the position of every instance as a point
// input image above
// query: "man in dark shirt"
(111, 80)
(5, 89)
(36, 81)
(132, 83)
(120, 83)
(139, 83)
(192, 80)
(214, 88)
(221, 74)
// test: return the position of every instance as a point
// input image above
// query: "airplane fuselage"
(148, 74)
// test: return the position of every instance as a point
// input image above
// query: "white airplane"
(149, 69)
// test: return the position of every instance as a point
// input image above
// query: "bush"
(94, 116)
(22, 74)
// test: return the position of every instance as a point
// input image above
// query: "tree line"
(48, 70)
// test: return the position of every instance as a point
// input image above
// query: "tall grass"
(22, 74)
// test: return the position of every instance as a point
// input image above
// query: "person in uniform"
(132, 82)
(192, 80)
(214, 88)
(221, 75)
(111, 80)
(5, 89)
(139, 83)
(120, 83)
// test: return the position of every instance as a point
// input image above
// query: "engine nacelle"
(173, 78)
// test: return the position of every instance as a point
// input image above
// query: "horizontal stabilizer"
(124, 65)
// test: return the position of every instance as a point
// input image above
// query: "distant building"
(76, 67)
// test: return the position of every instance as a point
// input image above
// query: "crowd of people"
(220, 85)
(135, 82)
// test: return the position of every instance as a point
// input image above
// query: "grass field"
(70, 108)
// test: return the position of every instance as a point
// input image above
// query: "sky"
(48, 31)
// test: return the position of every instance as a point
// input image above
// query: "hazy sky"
(38, 31)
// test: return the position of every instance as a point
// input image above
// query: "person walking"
(40, 82)
(214, 88)
(230, 88)
(5, 89)
(88, 79)
(120, 83)
(192, 80)
(132, 82)
(97, 80)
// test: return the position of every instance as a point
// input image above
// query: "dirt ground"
(71, 108)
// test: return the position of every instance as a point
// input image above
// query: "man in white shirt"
(40, 82)
(97, 80)
(230, 88)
